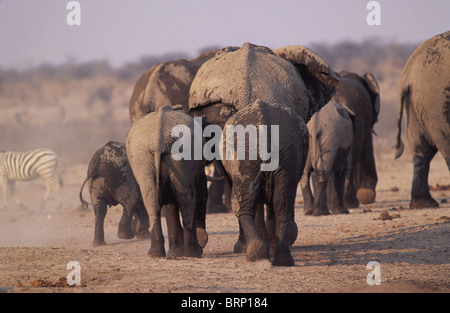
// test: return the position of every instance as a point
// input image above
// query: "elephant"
(329, 158)
(275, 187)
(424, 93)
(236, 77)
(168, 83)
(111, 182)
(361, 95)
(165, 83)
(292, 78)
(172, 179)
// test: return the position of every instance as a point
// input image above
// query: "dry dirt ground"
(331, 252)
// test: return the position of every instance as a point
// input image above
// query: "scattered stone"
(439, 187)
(384, 216)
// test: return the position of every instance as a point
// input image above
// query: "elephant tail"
(257, 182)
(157, 176)
(399, 146)
(84, 204)
(91, 173)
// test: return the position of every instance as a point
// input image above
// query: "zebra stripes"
(25, 166)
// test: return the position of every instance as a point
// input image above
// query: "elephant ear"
(374, 91)
(318, 76)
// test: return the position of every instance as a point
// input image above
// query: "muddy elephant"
(111, 182)
(236, 77)
(267, 178)
(292, 79)
(329, 159)
(168, 83)
(361, 95)
(424, 93)
(170, 178)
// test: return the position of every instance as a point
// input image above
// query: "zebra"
(29, 165)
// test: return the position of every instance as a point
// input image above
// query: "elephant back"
(165, 83)
(431, 58)
(238, 77)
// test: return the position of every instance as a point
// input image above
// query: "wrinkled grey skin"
(168, 83)
(179, 186)
(293, 77)
(237, 77)
(165, 83)
(329, 159)
(424, 93)
(361, 95)
(111, 182)
(252, 187)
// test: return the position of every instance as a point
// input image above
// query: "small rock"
(384, 216)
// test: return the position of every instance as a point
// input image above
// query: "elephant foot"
(175, 252)
(322, 211)
(308, 211)
(99, 243)
(351, 203)
(193, 251)
(240, 247)
(218, 208)
(340, 210)
(125, 235)
(423, 203)
(257, 250)
(202, 237)
(283, 259)
(366, 195)
(143, 234)
(156, 253)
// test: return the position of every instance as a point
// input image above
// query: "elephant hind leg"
(245, 206)
(420, 191)
(174, 231)
(282, 206)
(100, 208)
(256, 248)
(320, 184)
(125, 231)
(336, 193)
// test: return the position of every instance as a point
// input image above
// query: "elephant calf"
(253, 185)
(329, 159)
(111, 182)
(178, 184)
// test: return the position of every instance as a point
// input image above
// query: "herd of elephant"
(325, 122)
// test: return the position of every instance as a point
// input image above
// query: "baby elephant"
(111, 182)
(171, 179)
(329, 157)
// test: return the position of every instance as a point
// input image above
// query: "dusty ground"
(331, 252)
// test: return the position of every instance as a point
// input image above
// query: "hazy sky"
(36, 31)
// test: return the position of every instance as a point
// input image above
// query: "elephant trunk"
(399, 146)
